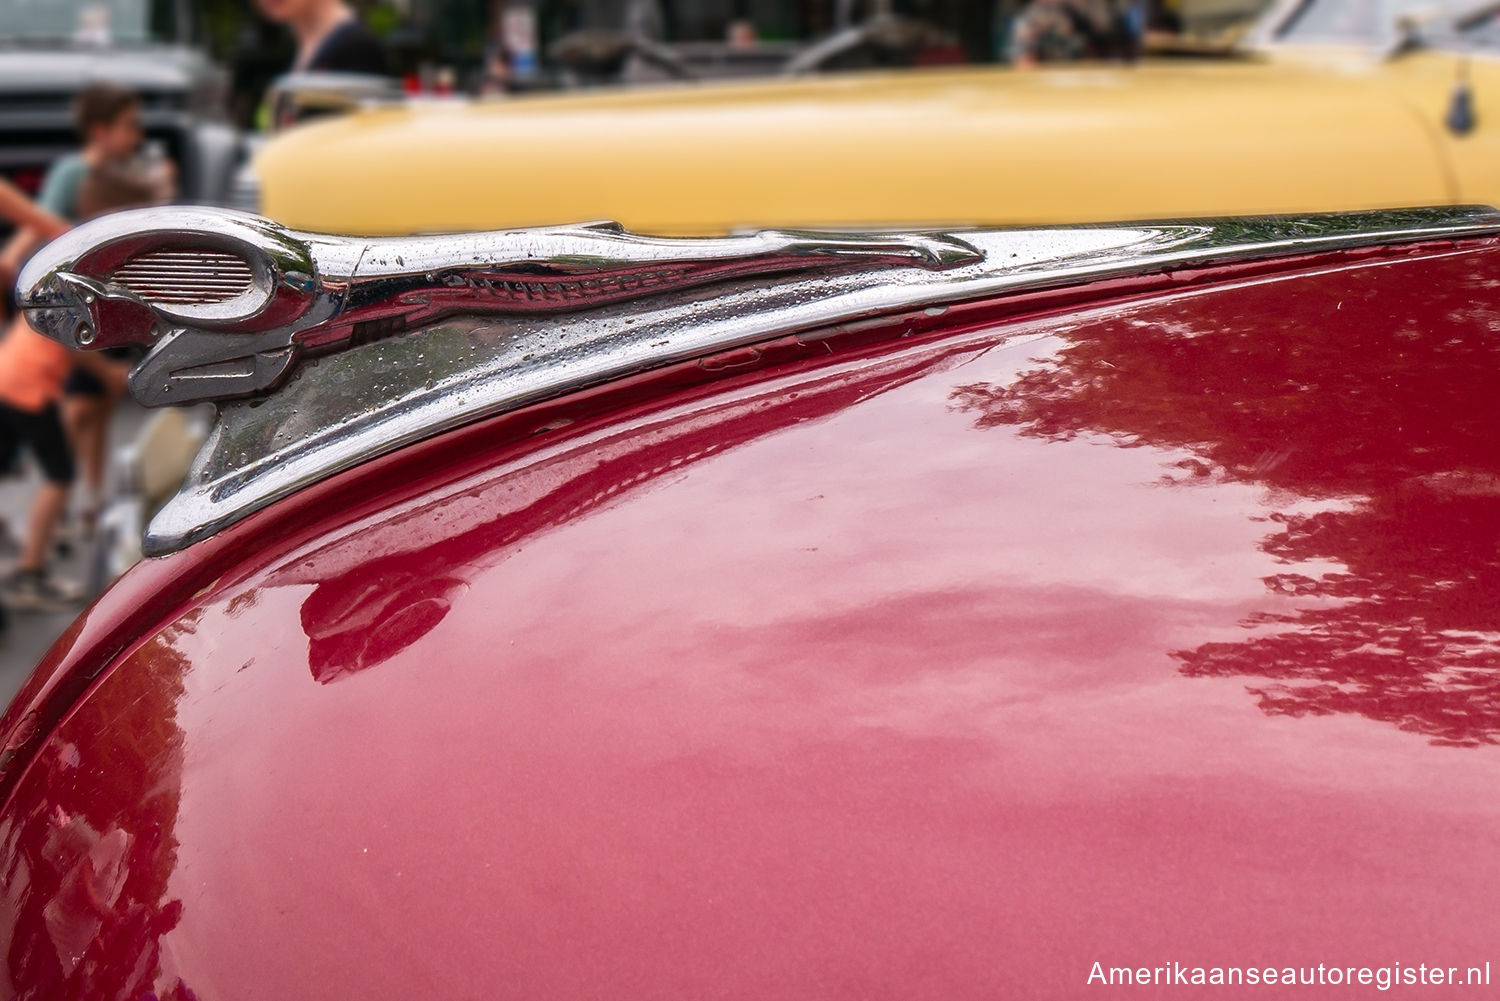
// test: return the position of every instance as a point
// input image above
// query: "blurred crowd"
(502, 46)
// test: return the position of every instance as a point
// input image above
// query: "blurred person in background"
(330, 37)
(33, 373)
(1048, 31)
(35, 225)
(741, 34)
(495, 78)
(108, 119)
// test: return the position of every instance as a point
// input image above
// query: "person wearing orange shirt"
(33, 370)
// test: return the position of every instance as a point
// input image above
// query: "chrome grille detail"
(185, 277)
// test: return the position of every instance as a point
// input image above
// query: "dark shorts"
(82, 382)
(43, 433)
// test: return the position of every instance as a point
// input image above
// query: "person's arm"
(16, 251)
(23, 212)
(21, 245)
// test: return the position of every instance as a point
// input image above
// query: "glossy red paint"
(940, 666)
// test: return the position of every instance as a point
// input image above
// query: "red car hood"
(1159, 633)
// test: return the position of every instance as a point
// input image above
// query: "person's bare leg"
(91, 454)
(72, 418)
(87, 420)
(45, 511)
(85, 417)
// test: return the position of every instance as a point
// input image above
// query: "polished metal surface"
(72, 291)
(218, 330)
(400, 339)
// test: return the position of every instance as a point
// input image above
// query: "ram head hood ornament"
(414, 336)
(228, 303)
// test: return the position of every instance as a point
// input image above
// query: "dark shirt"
(350, 48)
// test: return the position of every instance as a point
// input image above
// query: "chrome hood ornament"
(229, 306)
(229, 303)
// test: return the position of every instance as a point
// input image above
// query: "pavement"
(31, 633)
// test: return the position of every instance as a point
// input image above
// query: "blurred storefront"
(493, 46)
(462, 33)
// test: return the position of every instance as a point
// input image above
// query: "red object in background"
(942, 55)
(28, 179)
(1154, 630)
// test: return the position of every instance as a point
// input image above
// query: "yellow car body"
(1301, 131)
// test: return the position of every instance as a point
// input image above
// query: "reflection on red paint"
(1391, 413)
(86, 869)
(916, 671)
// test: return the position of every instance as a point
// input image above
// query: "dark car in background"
(50, 49)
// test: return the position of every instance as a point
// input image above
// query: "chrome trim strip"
(368, 398)
(309, 294)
